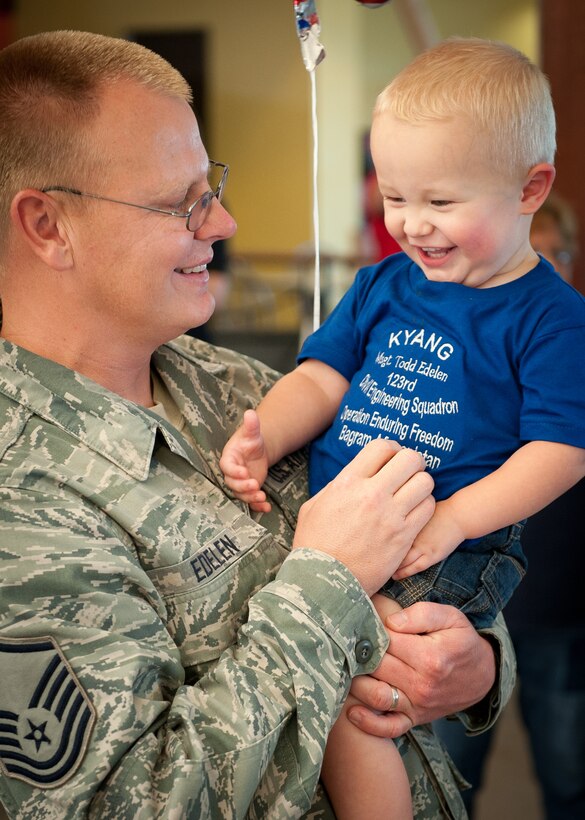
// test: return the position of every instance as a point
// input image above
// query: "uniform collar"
(117, 429)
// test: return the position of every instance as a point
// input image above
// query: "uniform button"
(363, 651)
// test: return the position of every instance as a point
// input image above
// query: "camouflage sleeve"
(99, 719)
(484, 714)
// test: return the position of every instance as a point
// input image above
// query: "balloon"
(372, 4)
(308, 31)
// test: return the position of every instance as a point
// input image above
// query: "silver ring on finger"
(395, 697)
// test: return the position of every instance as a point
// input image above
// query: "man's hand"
(436, 660)
(369, 515)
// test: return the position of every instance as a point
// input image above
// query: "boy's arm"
(529, 480)
(296, 409)
(299, 407)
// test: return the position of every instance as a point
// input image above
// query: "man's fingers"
(384, 711)
(416, 501)
(415, 488)
(425, 617)
(430, 622)
(379, 695)
(400, 469)
(372, 458)
(389, 724)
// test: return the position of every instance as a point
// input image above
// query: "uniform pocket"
(206, 595)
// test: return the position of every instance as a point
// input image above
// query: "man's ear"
(537, 187)
(38, 219)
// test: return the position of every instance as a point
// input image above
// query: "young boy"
(466, 347)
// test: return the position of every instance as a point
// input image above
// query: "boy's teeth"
(435, 253)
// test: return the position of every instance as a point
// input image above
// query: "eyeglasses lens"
(216, 181)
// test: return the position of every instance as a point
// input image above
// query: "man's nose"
(219, 224)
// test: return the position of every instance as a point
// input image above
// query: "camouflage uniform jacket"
(162, 654)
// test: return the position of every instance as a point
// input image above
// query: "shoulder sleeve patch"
(46, 718)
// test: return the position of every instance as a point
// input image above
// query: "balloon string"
(317, 280)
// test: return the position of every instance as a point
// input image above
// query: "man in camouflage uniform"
(163, 653)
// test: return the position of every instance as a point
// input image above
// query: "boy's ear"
(38, 219)
(537, 187)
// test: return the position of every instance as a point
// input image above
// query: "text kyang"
(420, 338)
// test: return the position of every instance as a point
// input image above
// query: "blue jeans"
(478, 578)
(551, 673)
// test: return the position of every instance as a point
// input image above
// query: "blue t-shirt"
(464, 375)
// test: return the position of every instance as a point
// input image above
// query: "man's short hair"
(50, 86)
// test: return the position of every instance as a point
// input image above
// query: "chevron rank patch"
(46, 718)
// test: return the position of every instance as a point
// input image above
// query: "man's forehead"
(147, 112)
(138, 129)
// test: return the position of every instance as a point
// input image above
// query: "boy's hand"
(441, 536)
(244, 463)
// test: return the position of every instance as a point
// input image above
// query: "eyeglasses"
(197, 212)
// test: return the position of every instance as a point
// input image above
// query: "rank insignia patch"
(45, 716)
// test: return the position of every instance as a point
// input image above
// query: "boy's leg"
(364, 775)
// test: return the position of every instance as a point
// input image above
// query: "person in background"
(548, 631)
(163, 653)
(376, 242)
(555, 234)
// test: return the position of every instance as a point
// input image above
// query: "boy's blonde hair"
(50, 86)
(501, 93)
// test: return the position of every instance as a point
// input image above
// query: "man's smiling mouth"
(196, 269)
